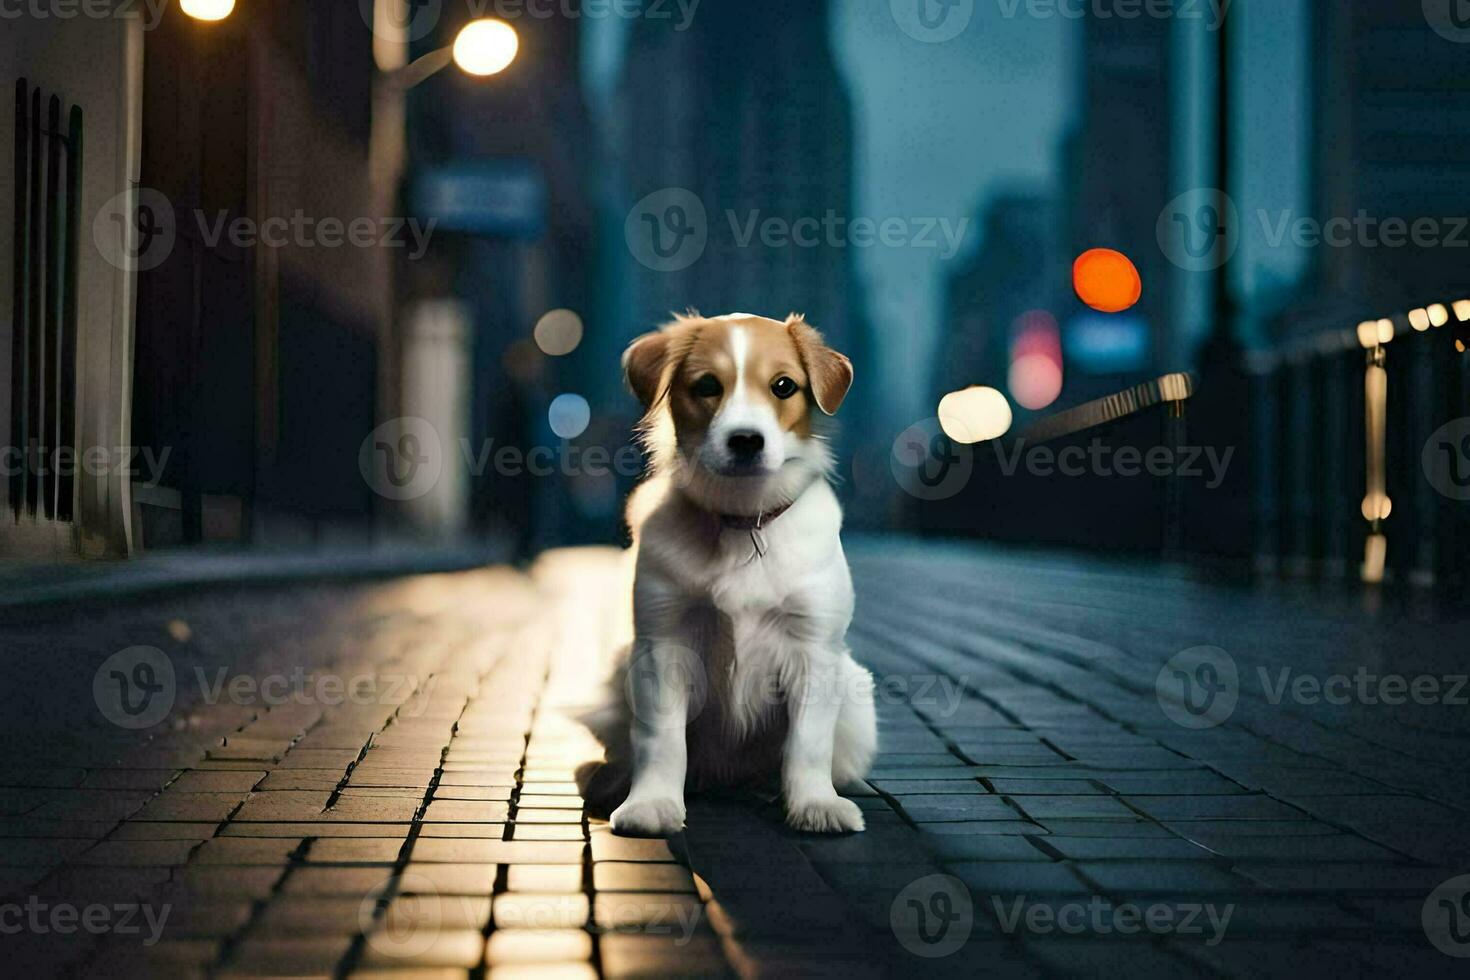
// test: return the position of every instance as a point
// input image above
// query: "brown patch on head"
(700, 364)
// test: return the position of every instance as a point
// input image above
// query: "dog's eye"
(783, 387)
(706, 386)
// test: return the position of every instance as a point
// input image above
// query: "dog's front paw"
(825, 815)
(648, 818)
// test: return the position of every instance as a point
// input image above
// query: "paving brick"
(497, 852)
(450, 879)
(544, 877)
(355, 850)
(196, 807)
(541, 911)
(520, 946)
(641, 876)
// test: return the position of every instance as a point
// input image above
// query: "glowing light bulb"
(207, 9)
(974, 415)
(486, 46)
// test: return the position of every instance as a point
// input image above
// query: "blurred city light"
(1462, 311)
(1438, 315)
(485, 46)
(1106, 280)
(1419, 320)
(569, 415)
(1035, 377)
(1375, 333)
(558, 332)
(207, 9)
(1098, 343)
(974, 415)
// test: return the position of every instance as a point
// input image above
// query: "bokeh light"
(974, 415)
(558, 332)
(1106, 280)
(207, 9)
(569, 415)
(1035, 376)
(486, 46)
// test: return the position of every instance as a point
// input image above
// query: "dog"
(739, 672)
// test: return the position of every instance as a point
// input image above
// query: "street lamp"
(207, 9)
(483, 47)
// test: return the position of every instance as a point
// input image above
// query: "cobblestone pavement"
(1085, 770)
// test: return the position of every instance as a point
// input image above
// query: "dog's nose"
(745, 445)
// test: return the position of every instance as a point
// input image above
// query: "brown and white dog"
(739, 670)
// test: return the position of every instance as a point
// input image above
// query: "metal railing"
(43, 364)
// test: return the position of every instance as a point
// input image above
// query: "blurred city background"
(299, 279)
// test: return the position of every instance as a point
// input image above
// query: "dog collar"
(746, 522)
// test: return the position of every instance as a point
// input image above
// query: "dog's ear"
(643, 365)
(829, 371)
